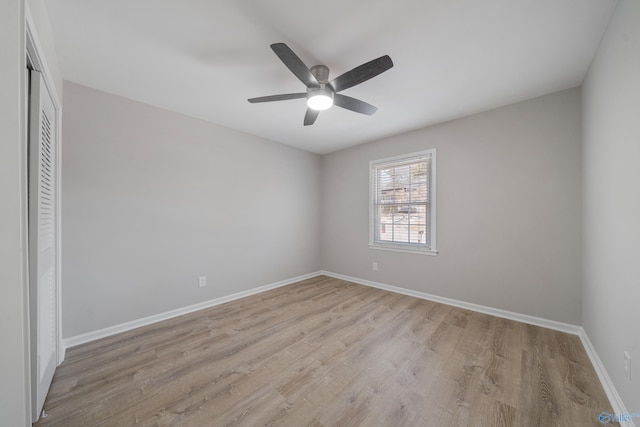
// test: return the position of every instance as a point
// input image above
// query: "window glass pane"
(418, 191)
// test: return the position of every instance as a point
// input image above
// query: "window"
(402, 209)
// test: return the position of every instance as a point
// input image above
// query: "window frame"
(374, 165)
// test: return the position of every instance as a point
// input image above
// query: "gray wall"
(611, 146)
(153, 199)
(508, 210)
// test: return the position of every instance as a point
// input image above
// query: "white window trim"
(398, 247)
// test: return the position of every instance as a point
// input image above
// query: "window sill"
(405, 249)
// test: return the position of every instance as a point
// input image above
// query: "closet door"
(42, 240)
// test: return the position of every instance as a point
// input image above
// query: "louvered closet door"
(42, 240)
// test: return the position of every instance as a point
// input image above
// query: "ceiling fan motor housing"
(323, 95)
(321, 73)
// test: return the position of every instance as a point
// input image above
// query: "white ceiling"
(204, 58)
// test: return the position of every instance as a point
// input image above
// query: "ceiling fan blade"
(295, 64)
(282, 97)
(362, 73)
(310, 116)
(353, 104)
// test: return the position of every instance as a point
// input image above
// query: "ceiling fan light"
(320, 99)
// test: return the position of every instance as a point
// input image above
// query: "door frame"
(37, 60)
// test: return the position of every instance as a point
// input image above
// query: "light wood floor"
(326, 352)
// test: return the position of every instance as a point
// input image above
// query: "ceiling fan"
(321, 93)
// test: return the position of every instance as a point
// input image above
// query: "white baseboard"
(614, 398)
(524, 318)
(127, 326)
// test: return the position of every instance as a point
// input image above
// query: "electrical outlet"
(627, 365)
(374, 266)
(202, 282)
